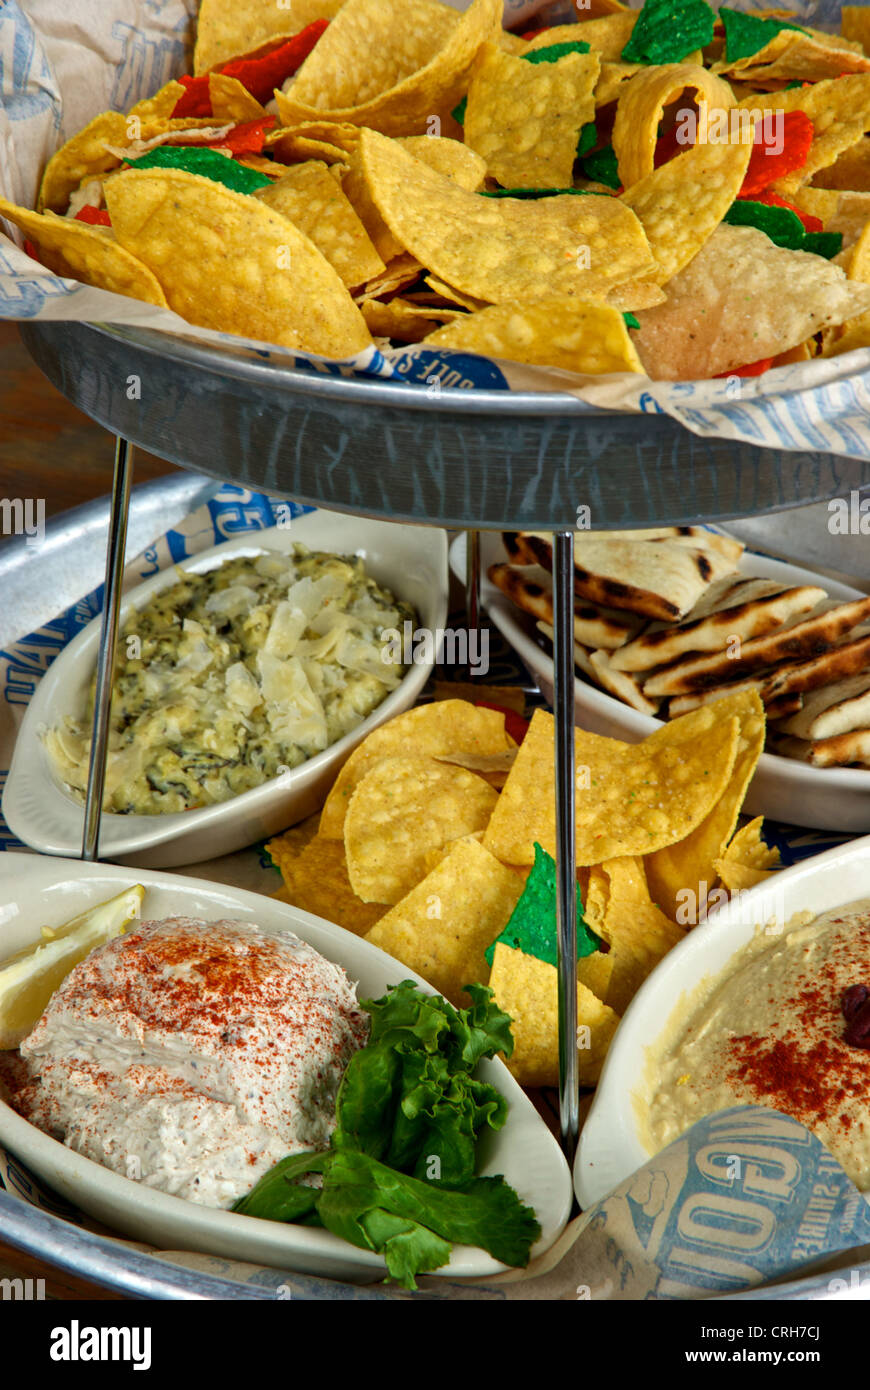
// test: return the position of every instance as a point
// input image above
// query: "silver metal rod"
(117, 545)
(472, 587)
(566, 847)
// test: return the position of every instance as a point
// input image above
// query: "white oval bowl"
(784, 789)
(38, 891)
(43, 813)
(611, 1147)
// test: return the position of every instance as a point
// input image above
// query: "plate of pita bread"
(668, 619)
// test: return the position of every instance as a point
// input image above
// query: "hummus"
(769, 1030)
(193, 1055)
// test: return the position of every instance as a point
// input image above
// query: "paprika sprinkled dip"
(786, 1025)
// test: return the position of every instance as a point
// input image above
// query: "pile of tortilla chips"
(436, 844)
(671, 190)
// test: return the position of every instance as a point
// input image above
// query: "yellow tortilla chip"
(632, 799)
(394, 65)
(552, 332)
(225, 31)
(854, 333)
(527, 989)
(82, 157)
(403, 807)
(498, 249)
(855, 25)
(162, 104)
(403, 321)
(840, 112)
(446, 726)
(638, 932)
(747, 851)
(607, 35)
(230, 101)
(524, 119)
(688, 867)
(442, 927)
(315, 880)
(681, 204)
(642, 103)
(851, 172)
(315, 203)
(611, 79)
(791, 56)
(227, 261)
(81, 252)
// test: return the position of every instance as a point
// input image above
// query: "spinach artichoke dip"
(230, 676)
(786, 1024)
(191, 1056)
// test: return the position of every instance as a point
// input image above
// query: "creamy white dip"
(192, 1055)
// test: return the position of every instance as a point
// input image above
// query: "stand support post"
(116, 549)
(566, 855)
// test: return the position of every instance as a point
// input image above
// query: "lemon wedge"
(29, 978)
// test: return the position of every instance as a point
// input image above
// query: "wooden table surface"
(49, 449)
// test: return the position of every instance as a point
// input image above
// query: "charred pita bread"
(746, 609)
(829, 752)
(683, 704)
(530, 587)
(656, 578)
(802, 676)
(804, 637)
(595, 665)
(835, 709)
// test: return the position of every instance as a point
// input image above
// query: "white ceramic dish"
(411, 561)
(37, 891)
(611, 1148)
(782, 789)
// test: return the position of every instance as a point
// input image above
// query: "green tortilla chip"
(554, 52)
(668, 30)
(746, 34)
(207, 163)
(532, 925)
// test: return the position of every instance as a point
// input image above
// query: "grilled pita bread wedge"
(810, 636)
(828, 752)
(802, 676)
(683, 704)
(595, 665)
(656, 578)
(744, 609)
(531, 588)
(835, 709)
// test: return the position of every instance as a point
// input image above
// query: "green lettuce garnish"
(400, 1175)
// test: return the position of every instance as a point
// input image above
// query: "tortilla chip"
(855, 25)
(315, 203)
(689, 867)
(444, 727)
(403, 807)
(442, 928)
(402, 320)
(681, 204)
(316, 880)
(642, 102)
(230, 101)
(553, 332)
(391, 65)
(527, 989)
(82, 252)
(742, 299)
(228, 262)
(503, 249)
(524, 119)
(82, 157)
(638, 932)
(225, 31)
(162, 104)
(632, 799)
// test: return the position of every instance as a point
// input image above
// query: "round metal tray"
(488, 459)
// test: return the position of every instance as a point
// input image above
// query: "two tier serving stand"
(471, 460)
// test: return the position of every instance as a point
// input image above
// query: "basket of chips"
(658, 210)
